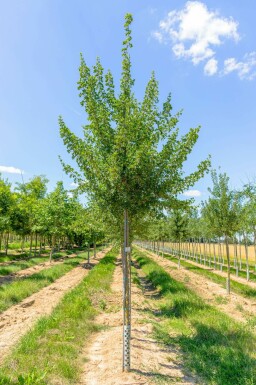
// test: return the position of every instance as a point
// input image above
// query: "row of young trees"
(228, 216)
(56, 218)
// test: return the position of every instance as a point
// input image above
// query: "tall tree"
(119, 161)
(222, 212)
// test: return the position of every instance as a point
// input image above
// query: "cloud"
(192, 193)
(194, 32)
(73, 184)
(245, 69)
(11, 170)
(211, 67)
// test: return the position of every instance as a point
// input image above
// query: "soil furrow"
(18, 319)
(150, 362)
(236, 306)
(23, 273)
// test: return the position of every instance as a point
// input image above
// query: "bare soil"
(32, 270)
(150, 362)
(18, 319)
(234, 305)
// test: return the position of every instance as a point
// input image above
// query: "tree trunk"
(204, 250)
(247, 260)
(52, 248)
(254, 245)
(94, 249)
(7, 243)
(214, 255)
(88, 254)
(30, 246)
(126, 263)
(22, 244)
(240, 253)
(179, 255)
(36, 245)
(40, 246)
(228, 269)
(221, 259)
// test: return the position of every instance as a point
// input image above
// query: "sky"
(203, 52)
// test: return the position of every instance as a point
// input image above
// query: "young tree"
(6, 205)
(120, 164)
(56, 213)
(222, 212)
(179, 228)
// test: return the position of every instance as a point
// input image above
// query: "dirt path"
(23, 273)
(18, 319)
(150, 362)
(234, 305)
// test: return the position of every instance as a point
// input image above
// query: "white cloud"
(211, 67)
(11, 170)
(195, 31)
(192, 193)
(73, 184)
(245, 69)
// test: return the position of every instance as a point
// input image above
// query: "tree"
(222, 212)
(56, 213)
(179, 227)
(249, 194)
(30, 196)
(119, 161)
(6, 205)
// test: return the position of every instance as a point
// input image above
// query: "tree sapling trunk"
(228, 267)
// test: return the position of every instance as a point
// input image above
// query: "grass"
(16, 291)
(236, 287)
(215, 347)
(51, 350)
(18, 265)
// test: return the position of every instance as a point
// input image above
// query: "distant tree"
(6, 205)
(28, 201)
(56, 213)
(222, 212)
(120, 164)
(179, 228)
(249, 220)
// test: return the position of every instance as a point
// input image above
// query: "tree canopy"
(130, 156)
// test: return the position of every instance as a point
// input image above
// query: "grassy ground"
(49, 354)
(21, 264)
(214, 347)
(236, 287)
(14, 292)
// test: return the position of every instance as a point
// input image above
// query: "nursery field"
(210, 249)
(67, 327)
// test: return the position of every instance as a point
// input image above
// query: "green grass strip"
(49, 354)
(29, 262)
(236, 287)
(20, 265)
(16, 291)
(215, 347)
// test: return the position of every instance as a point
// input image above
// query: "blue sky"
(203, 52)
